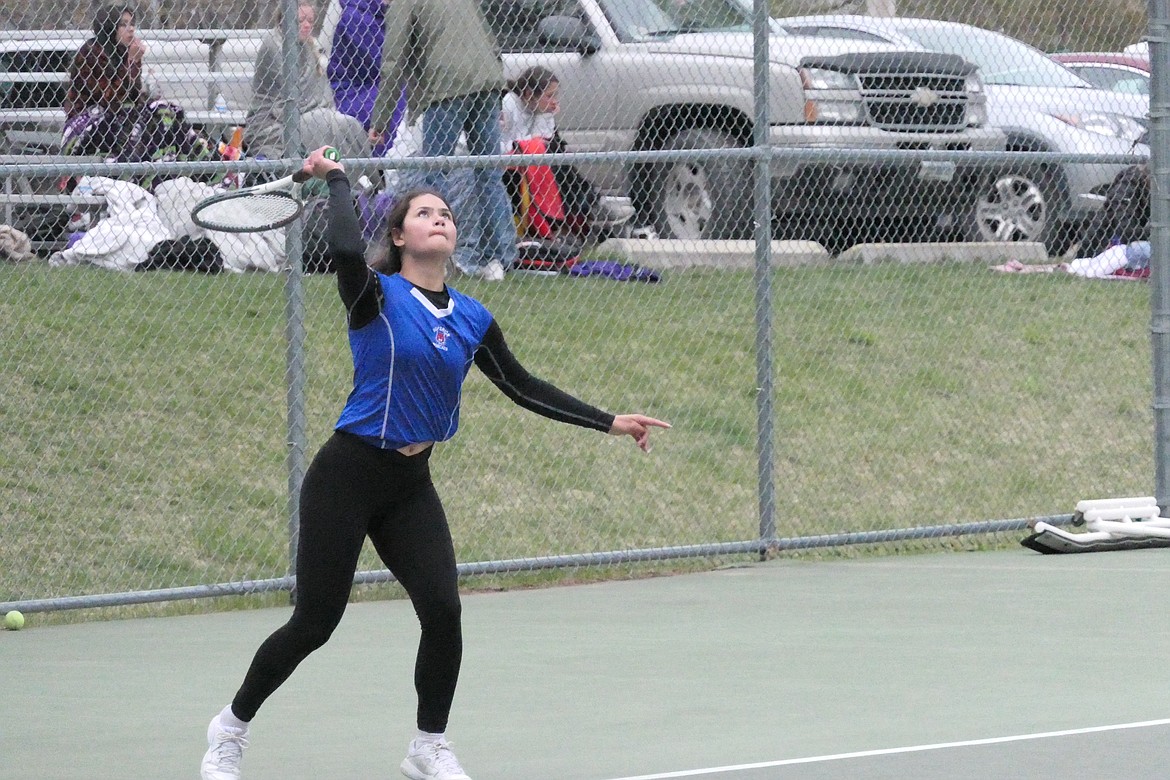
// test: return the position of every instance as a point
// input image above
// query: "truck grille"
(916, 103)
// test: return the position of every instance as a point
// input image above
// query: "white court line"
(894, 751)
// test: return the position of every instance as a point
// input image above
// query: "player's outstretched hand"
(317, 164)
(638, 426)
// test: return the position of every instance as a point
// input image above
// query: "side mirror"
(567, 32)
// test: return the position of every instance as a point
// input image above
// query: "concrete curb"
(679, 254)
(676, 253)
(972, 252)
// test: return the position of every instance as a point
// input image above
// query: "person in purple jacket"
(355, 61)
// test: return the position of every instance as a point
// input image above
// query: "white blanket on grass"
(123, 238)
(241, 251)
(135, 220)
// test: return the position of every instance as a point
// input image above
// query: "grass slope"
(142, 420)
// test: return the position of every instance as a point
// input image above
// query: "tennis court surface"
(960, 665)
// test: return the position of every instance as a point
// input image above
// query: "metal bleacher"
(32, 119)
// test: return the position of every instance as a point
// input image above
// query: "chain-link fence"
(165, 386)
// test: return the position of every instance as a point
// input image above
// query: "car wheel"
(701, 199)
(1018, 205)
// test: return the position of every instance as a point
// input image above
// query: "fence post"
(294, 294)
(761, 27)
(1159, 24)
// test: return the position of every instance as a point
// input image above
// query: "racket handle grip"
(300, 177)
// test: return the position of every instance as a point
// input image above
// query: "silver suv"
(659, 74)
(1040, 105)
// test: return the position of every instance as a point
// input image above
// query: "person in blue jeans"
(443, 54)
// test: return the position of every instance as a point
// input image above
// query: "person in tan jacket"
(442, 52)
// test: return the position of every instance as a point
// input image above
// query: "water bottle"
(84, 189)
(220, 103)
(80, 219)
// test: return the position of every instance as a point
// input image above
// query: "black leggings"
(353, 490)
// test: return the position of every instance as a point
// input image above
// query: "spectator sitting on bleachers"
(321, 124)
(108, 111)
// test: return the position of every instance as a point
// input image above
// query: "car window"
(33, 94)
(1116, 79)
(1134, 85)
(1001, 60)
(840, 33)
(639, 20)
(514, 22)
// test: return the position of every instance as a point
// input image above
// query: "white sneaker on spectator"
(491, 271)
(432, 760)
(225, 751)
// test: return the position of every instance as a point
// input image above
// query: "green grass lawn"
(142, 420)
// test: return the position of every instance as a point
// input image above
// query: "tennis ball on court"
(14, 621)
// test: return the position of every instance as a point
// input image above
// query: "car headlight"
(976, 100)
(976, 113)
(831, 97)
(819, 78)
(1126, 128)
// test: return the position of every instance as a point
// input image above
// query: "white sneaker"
(432, 761)
(222, 759)
(491, 271)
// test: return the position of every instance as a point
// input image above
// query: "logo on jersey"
(441, 336)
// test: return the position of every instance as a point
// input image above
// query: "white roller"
(1131, 529)
(1084, 538)
(1115, 503)
(1122, 513)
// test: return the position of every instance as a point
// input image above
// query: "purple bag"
(612, 270)
(373, 209)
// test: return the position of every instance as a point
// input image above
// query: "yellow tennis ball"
(14, 621)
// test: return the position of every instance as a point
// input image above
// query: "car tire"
(1020, 204)
(701, 199)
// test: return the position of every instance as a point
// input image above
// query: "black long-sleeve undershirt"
(362, 295)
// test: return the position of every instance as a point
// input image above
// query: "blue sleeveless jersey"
(409, 364)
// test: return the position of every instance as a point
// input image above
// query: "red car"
(1116, 72)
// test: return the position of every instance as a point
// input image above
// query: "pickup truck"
(678, 74)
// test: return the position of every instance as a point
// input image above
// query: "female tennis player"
(413, 340)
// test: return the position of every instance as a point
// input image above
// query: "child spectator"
(530, 107)
(559, 199)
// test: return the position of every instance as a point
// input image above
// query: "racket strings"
(249, 211)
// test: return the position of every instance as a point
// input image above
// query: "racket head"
(257, 208)
(247, 211)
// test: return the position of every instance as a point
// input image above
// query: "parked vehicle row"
(644, 75)
(1041, 106)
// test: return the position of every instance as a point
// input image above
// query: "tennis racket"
(257, 208)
